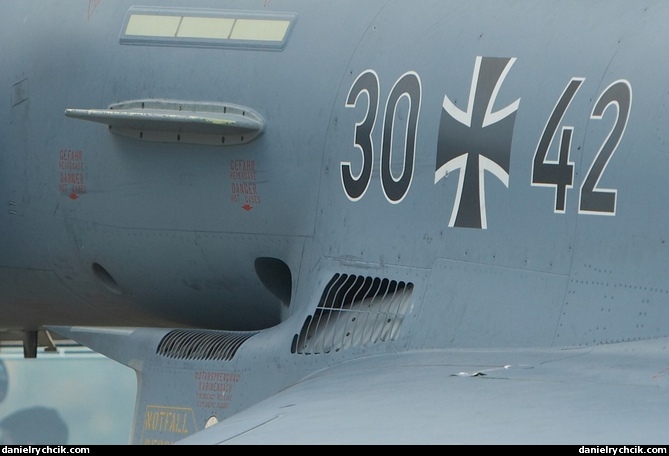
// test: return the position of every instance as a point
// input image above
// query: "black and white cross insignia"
(476, 140)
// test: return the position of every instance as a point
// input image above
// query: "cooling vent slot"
(354, 310)
(202, 345)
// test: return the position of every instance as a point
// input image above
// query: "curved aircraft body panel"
(466, 397)
(258, 205)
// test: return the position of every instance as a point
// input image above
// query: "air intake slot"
(353, 311)
(276, 276)
(202, 344)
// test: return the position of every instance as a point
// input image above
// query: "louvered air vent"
(354, 310)
(202, 345)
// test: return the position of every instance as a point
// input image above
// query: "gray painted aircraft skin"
(374, 221)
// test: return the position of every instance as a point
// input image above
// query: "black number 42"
(560, 173)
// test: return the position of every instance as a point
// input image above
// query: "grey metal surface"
(434, 176)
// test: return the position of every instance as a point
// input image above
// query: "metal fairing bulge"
(346, 222)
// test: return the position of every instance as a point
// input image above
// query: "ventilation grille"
(202, 345)
(354, 310)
